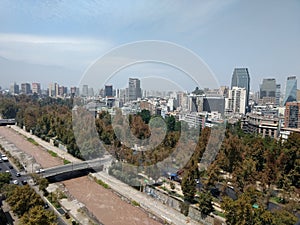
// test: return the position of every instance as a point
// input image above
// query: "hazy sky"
(56, 41)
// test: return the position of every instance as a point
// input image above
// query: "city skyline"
(55, 41)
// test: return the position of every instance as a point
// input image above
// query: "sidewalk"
(46, 145)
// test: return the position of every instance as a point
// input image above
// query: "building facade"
(36, 88)
(241, 79)
(236, 101)
(290, 90)
(292, 115)
(134, 89)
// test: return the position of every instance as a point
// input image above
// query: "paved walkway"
(61, 153)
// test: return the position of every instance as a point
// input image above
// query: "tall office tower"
(62, 91)
(277, 94)
(290, 90)
(85, 90)
(292, 115)
(241, 78)
(14, 88)
(74, 91)
(36, 88)
(91, 91)
(25, 88)
(108, 91)
(267, 91)
(53, 90)
(56, 89)
(134, 89)
(236, 101)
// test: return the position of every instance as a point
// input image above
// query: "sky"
(59, 40)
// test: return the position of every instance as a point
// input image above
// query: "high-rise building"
(236, 101)
(108, 91)
(36, 88)
(241, 78)
(290, 90)
(134, 89)
(25, 88)
(292, 115)
(53, 90)
(91, 91)
(85, 90)
(74, 91)
(278, 94)
(267, 91)
(14, 88)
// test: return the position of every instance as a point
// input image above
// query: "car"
(40, 171)
(10, 167)
(7, 171)
(5, 159)
(24, 182)
(46, 206)
(18, 174)
(15, 182)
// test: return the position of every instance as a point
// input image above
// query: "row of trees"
(27, 205)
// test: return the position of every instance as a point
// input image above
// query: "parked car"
(24, 182)
(10, 167)
(15, 182)
(18, 174)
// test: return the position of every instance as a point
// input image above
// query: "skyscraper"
(267, 91)
(241, 78)
(14, 88)
(25, 88)
(36, 88)
(134, 89)
(85, 90)
(290, 90)
(108, 91)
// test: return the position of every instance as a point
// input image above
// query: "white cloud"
(52, 50)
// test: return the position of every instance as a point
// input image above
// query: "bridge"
(72, 170)
(4, 122)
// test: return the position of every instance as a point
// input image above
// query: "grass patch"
(32, 141)
(102, 183)
(53, 154)
(135, 203)
(219, 214)
(66, 161)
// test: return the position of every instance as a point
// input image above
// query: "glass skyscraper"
(290, 90)
(241, 78)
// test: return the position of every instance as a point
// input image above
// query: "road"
(8, 167)
(75, 166)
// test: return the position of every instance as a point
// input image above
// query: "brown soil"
(106, 205)
(39, 153)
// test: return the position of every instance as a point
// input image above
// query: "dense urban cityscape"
(273, 113)
(142, 112)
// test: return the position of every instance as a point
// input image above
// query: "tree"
(205, 202)
(38, 215)
(145, 115)
(22, 199)
(4, 179)
(188, 186)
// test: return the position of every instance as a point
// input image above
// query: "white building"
(236, 101)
